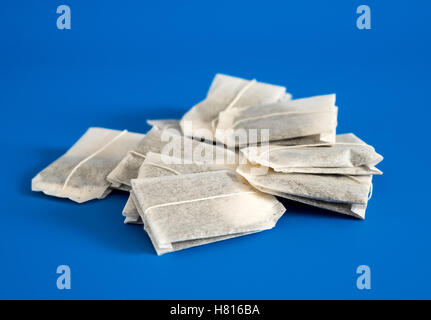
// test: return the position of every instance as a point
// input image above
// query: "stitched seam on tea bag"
(92, 156)
(352, 144)
(138, 154)
(241, 93)
(197, 200)
(162, 167)
(308, 145)
(286, 147)
(235, 100)
(276, 114)
(355, 179)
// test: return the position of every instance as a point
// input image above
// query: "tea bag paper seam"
(354, 178)
(138, 154)
(162, 167)
(236, 99)
(361, 182)
(241, 93)
(198, 200)
(92, 156)
(276, 114)
(310, 145)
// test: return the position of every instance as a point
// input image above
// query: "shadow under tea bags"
(81, 174)
(202, 206)
(227, 92)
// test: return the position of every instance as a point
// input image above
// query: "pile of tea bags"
(219, 171)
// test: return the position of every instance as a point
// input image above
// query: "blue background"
(123, 63)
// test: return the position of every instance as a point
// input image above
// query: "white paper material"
(164, 124)
(156, 166)
(227, 92)
(173, 146)
(349, 156)
(199, 206)
(350, 191)
(81, 174)
(285, 119)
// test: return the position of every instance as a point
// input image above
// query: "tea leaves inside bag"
(155, 165)
(81, 174)
(343, 194)
(227, 92)
(173, 146)
(349, 155)
(201, 206)
(285, 119)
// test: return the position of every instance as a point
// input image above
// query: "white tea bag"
(133, 217)
(155, 165)
(317, 140)
(227, 92)
(130, 213)
(81, 174)
(348, 156)
(182, 245)
(173, 146)
(353, 210)
(200, 206)
(285, 119)
(129, 166)
(340, 189)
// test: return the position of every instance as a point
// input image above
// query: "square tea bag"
(227, 92)
(202, 206)
(286, 119)
(341, 193)
(349, 156)
(155, 165)
(81, 174)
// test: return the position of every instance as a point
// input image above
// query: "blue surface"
(124, 63)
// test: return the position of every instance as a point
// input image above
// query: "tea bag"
(129, 166)
(155, 165)
(353, 210)
(286, 119)
(317, 140)
(187, 209)
(130, 213)
(81, 174)
(182, 245)
(350, 191)
(227, 92)
(349, 156)
(172, 145)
